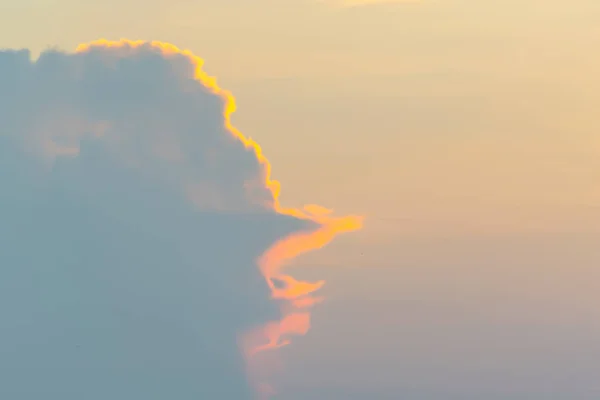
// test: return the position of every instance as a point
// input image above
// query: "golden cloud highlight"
(296, 296)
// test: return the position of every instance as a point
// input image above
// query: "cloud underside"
(142, 239)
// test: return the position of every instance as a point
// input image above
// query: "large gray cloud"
(132, 218)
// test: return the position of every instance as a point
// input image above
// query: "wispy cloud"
(364, 3)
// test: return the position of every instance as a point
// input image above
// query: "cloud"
(143, 242)
(361, 3)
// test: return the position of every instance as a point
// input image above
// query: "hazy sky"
(465, 131)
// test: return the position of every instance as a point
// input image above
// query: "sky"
(466, 134)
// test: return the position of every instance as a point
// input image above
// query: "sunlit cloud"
(144, 244)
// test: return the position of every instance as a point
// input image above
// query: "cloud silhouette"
(142, 241)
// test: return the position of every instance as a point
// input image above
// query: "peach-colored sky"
(454, 112)
(437, 118)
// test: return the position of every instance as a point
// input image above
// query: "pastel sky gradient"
(467, 133)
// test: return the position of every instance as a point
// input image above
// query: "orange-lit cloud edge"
(296, 297)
